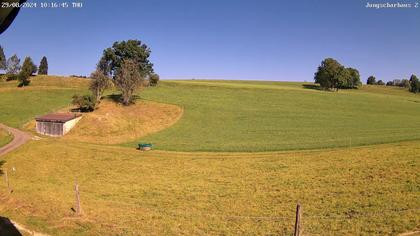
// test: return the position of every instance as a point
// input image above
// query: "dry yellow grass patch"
(370, 190)
(113, 123)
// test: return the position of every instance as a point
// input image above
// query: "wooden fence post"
(298, 229)
(9, 190)
(78, 209)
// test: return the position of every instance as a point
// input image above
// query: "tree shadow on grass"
(7, 227)
(117, 98)
(312, 86)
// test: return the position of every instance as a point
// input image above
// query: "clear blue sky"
(225, 39)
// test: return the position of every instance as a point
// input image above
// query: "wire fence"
(288, 217)
(306, 215)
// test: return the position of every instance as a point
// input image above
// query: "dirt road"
(8, 227)
(19, 138)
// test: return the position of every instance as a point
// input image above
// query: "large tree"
(332, 75)
(3, 64)
(28, 68)
(328, 74)
(13, 65)
(134, 50)
(128, 80)
(350, 78)
(43, 66)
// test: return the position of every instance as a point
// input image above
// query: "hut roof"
(58, 117)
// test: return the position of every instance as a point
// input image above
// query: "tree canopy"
(13, 65)
(28, 68)
(111, 61)
(332, 75)
(128, 80)
(3, 64)
(371, 80)
(99, 82)
(414, 84)
(43, 66)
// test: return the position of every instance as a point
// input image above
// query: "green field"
(272, 116)
(20, 105)
(244, 183)
(5, 137)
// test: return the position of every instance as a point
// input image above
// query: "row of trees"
(413, 84)
(404, 83)
(372, 81)
(126, 66)
(333, 76)
(15, 71)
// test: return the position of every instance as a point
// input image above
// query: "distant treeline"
(413, 84)
(331, 75)
(15, 71)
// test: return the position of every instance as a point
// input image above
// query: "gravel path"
(19, 138)
(8, 227)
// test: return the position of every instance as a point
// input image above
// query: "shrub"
(380, 82)
(85, 103)
(10, 77)
(154, 79)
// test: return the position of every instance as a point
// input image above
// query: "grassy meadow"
(369, 190)
(271, 116)
(46, 94)
(230, 161)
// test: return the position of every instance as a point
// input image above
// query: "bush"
(79, 76)
(154, 79)
(390, 83)
(85, 103)
(10, 77)
(23, 79)
(380, 82)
